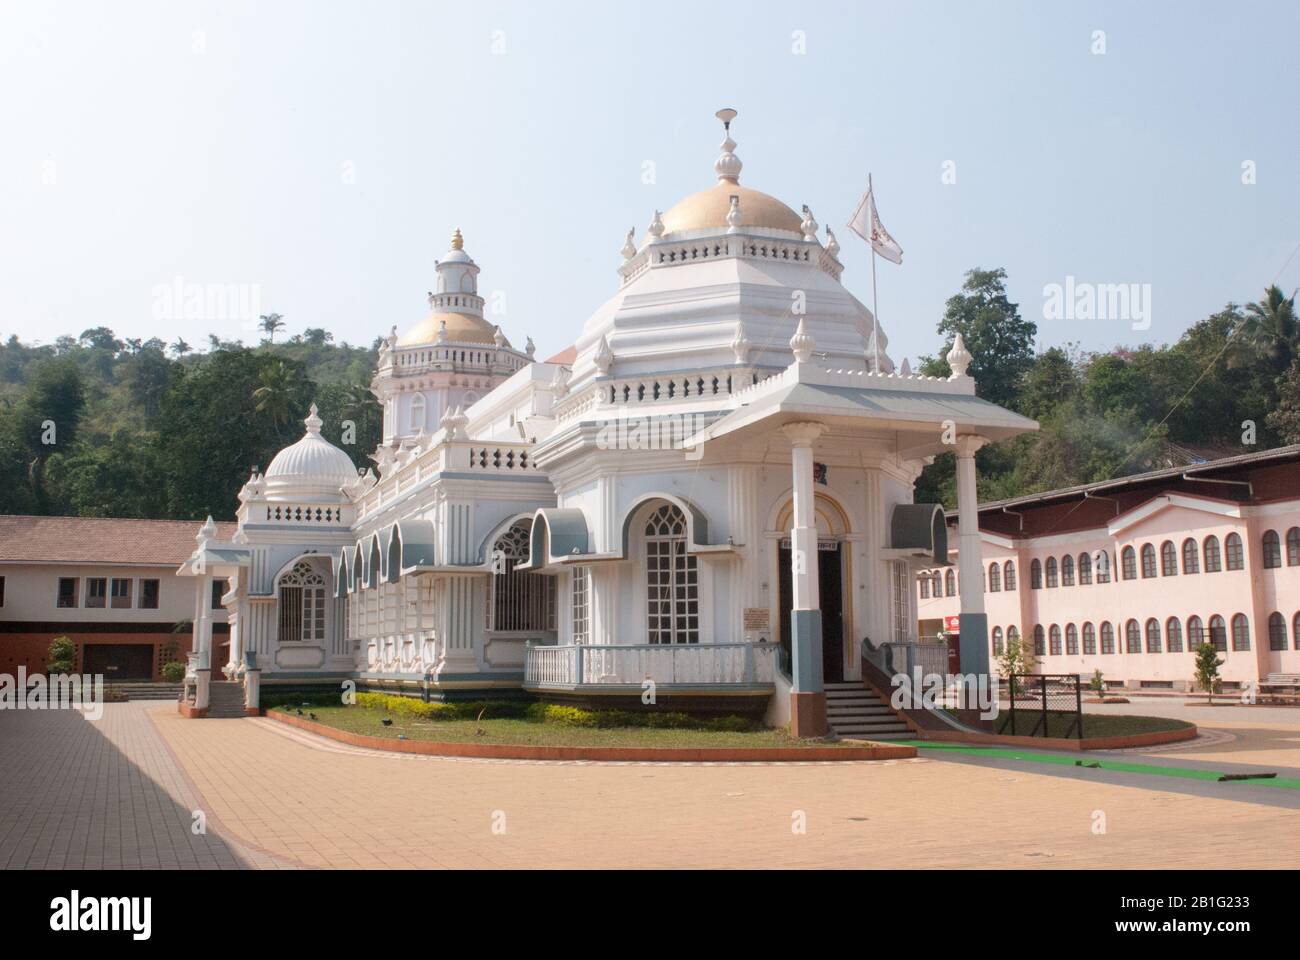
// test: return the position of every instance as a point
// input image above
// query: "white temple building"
(709, 496)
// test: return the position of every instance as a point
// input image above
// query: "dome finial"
(728, 165)
(457, 241)
(313, 422)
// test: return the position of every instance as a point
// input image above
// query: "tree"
(280, 392)
(271, 322)
(317, 336)
(1268, 330)
(1207, 669)
(61, 657)
(46, 421)
(1000, 341)
(180, 348)
(1098, 684)
(1285, 419)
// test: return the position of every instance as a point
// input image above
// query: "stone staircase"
(226, 699)
(857, 712)
(142, 690)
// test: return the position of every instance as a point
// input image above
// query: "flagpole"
(875, 309)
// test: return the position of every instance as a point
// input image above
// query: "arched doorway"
(832, 575)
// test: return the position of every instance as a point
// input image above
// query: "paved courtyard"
(123, 791)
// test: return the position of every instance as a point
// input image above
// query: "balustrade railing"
(678, 663)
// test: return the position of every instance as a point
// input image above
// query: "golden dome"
(461, 328)
(707, 210)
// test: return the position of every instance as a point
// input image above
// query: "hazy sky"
(319, 153)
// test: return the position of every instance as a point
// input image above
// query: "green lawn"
(1094, 724)
(368, 721)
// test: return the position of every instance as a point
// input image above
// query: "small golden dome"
(707, 210)
(461, 328)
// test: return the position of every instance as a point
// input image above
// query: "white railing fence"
(694, 663)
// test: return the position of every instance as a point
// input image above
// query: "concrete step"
(907, 735)
(226, 700)
(857, 730)
(144, 691)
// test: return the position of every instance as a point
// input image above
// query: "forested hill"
(147, 429)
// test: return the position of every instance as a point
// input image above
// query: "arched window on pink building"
(1240, 632)
(1173, 635)
(1067, 571)
(1040, 644)
(1035, 575)
(1128, 564)
(1211, 550)
(1089, 640)
(1148, 561)
(1168, 559)
(1071, 640)
(1009, 575)
(1191, 557)
(1085, 569)
(1054, 640)
(997, 641)
(950, 582)
(1219, 633)
(1132, 637)
(1050, 568)
(1272, 549)
(995, 578)
(1107, 637)
(1293, 547)
(1276, 631)
(1233, 553)
(1195, 633)
(1153, 635)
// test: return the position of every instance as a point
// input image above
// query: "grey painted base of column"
(974, 643)
(806, 650)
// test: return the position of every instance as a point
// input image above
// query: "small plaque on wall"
(757, 618)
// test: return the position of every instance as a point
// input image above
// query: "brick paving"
(120, 792)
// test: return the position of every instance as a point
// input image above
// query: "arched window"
(925, 586)
(1085, 569)
(1132, 637)
(1272, 549)
(1293, 547)
(936, 581)
(1067, 571)
(1128, 563)
(672, 580)
(1211, 551)
(1219, 633)
(520, 601)
(1153, 635)
(1173, 635)
(995, 578)
(1035, 575)
(1051, 571)
(1089, 640)
(1013, 636)
(1295, 632)
(1191, 557)
(997, 641)
(1233, 552)
(1148, 561)
(1054, 639)
(1009, 573)
(1195, 633)
(1071, 640)
(417, 413)
(1168, 559)
(1276, 631)
(1240, 632)
(1040, 644)
(949, 582)
(302, 604)
(1107, 638)
(1101, 563)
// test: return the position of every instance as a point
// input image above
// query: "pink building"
(1129, 576)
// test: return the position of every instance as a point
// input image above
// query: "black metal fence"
(1042, 705)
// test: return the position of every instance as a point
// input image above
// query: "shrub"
(173, 672)
(61, 657)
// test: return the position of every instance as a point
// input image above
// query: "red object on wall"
(952, 624)
(952, 627)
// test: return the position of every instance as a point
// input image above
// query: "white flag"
(866, 224)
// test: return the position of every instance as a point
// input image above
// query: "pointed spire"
(832, 245)
(207, 531)
(629, 246)
(906, 369)
(728, 165)
(313, 422)
(656, 226)
(802, 343)
(604, 356)
(958, 358)
(457, 241)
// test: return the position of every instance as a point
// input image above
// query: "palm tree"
(272, 322)
(1268, 330)
(278, 394)
(180, 348)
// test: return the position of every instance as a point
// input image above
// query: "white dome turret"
(313, 465)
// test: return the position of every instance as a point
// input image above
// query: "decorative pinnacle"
(832, 245)
(313, 422)
(656, 226)
(457, 241)
(629, 245)
(809, 225)
(733, 214)
(958, 358)
(802, 343)
(728, 165)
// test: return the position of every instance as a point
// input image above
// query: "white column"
(974, 622)
(203, 640)
(804, 626)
